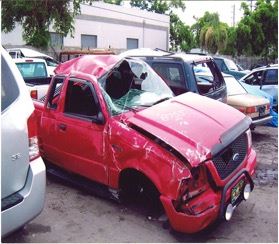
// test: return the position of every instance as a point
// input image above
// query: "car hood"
(191, 124)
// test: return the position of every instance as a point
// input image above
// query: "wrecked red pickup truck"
(116, 122)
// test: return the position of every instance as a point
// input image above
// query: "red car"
(115, 122)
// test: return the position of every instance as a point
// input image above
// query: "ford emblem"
(235, 157)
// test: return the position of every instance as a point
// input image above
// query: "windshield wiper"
(161, 100)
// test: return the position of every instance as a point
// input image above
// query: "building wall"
(13, 38)
(112, 24)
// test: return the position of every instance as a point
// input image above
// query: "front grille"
(229, 159)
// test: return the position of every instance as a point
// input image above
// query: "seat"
(113, 85)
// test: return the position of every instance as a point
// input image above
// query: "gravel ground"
(265, 142)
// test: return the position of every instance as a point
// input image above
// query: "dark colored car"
(179, 71)
(228, 66)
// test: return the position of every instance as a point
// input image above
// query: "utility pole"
(251, 5)
(233, 15)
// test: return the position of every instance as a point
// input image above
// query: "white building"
(102, 25)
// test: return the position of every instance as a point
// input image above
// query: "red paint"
(95, 64)
(189, 123)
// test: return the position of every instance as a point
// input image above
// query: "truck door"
(47, 128)
(79, 133)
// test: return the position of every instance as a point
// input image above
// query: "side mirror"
(261, 83)
(99, 119)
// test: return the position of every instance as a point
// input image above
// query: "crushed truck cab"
(116, 122)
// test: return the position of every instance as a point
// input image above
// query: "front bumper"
(214, 202)
(31, 203)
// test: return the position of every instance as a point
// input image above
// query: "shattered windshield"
(132, 84)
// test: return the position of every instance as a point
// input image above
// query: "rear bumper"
(261, 121)
(214, 203)
(32, 199)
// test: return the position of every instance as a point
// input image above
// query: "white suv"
(23, 173)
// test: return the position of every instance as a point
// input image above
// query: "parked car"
(30, 53)
(177, 70)
(23, 176)
(228, 66)
(114, 121)
(257, 108)
(35, 74)
(260, 93)
(266, 79)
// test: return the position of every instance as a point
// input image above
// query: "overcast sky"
(197, 8)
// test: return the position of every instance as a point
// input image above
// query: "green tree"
(37, 16)
(116, 2)
(211, 32)
(207, 19)
(257, 32)
(158, 6)
(180, 34)
(230, 48)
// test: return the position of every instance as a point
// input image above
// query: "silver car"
(23, 173)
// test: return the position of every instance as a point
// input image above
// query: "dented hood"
(190, 123)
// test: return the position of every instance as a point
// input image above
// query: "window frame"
(59, 45)
(215, 71)
(94, 118)
(132, 39)
(170, 65)
(88, 35)
(253, 76)
(52, 92)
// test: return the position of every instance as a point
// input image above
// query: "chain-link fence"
(249, 62)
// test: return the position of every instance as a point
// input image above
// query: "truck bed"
(37, 81)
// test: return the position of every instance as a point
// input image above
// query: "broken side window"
(208, 77)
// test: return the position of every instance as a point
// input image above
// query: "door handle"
(62, 127)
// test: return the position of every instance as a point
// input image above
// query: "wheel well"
(133, 185)
(132, 176)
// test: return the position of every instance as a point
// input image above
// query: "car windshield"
(233, 86)
(231, 64)
(132, 84)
